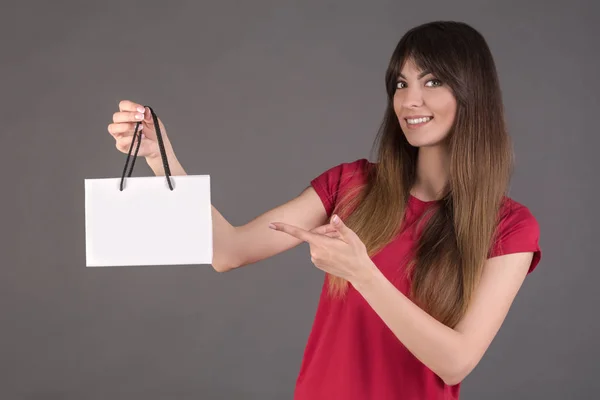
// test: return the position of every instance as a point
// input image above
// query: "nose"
(411, 97)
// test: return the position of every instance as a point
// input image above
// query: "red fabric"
(351, 353)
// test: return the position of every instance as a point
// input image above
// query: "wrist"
(156, 159)
(367, 276)
(155, 162)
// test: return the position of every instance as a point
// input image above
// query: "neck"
(432, 173)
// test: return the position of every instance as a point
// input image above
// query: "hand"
(334, 248)
(123, 126)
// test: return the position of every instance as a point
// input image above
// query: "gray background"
(264, 96)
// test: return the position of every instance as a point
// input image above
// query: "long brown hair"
(457, 236)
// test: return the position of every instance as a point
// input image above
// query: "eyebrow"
(421, 75)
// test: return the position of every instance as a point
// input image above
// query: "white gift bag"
(157, 220)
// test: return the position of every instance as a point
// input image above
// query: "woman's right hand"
(123, 126)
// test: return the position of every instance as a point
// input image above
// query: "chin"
(424, 140)
(430, 135)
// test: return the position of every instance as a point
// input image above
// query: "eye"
(400, 85)
(433, 83)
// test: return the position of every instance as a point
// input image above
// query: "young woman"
(423, 250)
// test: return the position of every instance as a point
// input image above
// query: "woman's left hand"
(334, 248)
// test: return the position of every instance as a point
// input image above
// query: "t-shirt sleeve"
(518, 232)
(331, 184)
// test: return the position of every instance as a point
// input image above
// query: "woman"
(429, 252)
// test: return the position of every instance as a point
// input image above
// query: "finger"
(333, 235)
(124, 143)
(341, 227)
(324, 229)
(296, 232)
(127, 116)
(127, 105)
(147, 115)
(123, 129)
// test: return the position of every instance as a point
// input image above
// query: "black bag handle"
(161, 145)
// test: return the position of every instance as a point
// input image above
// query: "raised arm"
(233, 247)
(254, 241)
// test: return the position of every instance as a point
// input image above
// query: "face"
(424, 105)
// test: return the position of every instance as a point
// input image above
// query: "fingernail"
(141, 109)
(138, 116)
(272, 226)
(336, 219)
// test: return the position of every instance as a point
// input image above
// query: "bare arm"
(450, 353)
(234, 247)
(254, 241)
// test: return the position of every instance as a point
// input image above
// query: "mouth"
(417, 122)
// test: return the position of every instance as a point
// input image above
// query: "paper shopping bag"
(158, 220)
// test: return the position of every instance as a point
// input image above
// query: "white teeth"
(418, 120)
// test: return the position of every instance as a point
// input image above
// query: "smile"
(417, 122)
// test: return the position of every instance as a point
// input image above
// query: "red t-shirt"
(351, 353)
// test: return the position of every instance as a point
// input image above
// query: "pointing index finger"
(294, 231)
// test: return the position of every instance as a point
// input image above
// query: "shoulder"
(350, 168)
(518, 230)
(515, 215)
(342, 174)
(337, 179)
